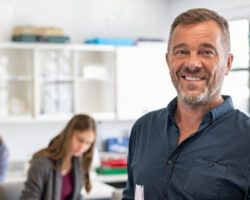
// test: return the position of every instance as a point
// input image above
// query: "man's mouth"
(192, 78)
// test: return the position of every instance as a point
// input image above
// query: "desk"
(116, 180)
(99, 191)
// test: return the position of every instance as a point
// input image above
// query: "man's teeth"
(191, 78)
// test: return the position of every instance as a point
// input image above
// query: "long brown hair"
(59, 145)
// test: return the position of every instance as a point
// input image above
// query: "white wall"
(230, 9)
(23, 139)
(83, 19)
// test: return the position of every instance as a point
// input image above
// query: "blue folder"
(111, 41)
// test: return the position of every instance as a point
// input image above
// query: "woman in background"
(58, 171)
(4, 157)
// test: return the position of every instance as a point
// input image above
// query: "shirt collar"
(223, 108)
(213, 114)
(172, 107)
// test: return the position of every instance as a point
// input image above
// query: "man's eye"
(181, 52)
(207, 53)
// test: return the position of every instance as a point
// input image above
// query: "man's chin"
(193, 100)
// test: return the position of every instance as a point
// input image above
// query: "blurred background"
(104, 58)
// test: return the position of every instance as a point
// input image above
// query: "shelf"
(56, 80)
(54, 117)
(93, 80)
(16, 119)
(16, 78)
(103, 115)
(112, 178)
(51, 46)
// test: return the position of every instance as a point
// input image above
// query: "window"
(237, 82)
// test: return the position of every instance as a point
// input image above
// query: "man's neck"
(189, 117)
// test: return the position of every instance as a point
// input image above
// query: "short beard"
(193, 100)
(201, 99)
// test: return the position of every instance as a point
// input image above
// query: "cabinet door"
(16, 83)
(143, 82)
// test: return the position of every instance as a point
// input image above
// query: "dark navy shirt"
(211, 164)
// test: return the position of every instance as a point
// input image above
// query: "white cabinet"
(95, 82)
(143, 81)
(54, 81)
(16, 82)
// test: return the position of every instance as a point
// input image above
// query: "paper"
(139, 192)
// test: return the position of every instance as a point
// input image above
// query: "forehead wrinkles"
(200, 46)
(194, 34)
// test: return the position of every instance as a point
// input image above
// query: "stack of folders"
(112, 166)
(39, 34)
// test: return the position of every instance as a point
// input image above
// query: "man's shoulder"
(242, 117)
(237, 123)
(155, 115)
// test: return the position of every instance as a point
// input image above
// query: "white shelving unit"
(54, 81)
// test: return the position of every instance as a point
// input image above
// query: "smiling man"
(198, 147)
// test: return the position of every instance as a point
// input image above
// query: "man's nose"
(193, 61)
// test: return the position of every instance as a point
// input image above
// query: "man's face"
(198, 62)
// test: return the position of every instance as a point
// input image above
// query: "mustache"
(191, 70)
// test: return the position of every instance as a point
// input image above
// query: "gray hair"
(198, 15)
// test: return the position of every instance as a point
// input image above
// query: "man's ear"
(230, 58)
(166, 57)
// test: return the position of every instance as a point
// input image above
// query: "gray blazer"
(44, 181)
